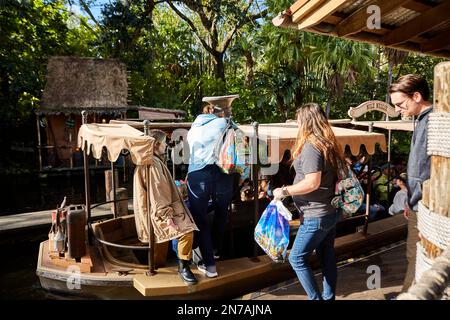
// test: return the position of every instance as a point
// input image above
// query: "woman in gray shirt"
(317, 159)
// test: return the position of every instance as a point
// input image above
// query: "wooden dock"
(353, 278)
(42, 219)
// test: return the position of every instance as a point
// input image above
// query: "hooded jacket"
(203, 136)
(165, 202)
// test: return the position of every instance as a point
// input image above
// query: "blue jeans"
(375, 211)
(316, 234)
(203, 185)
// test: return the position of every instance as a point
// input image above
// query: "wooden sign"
(373, 105)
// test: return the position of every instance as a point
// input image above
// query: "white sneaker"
(211, 273)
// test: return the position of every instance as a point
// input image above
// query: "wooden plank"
(332, 19)
(316, 16)
(305, 10)
(426, 193)
(417, 6)
(358, 20)
(440, 41)
(440, 166)
(85, 266)
(167, 281)
(420, 24)
(297, 5)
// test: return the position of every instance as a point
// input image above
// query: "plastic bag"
(272, 231)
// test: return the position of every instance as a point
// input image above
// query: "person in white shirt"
(400, 198)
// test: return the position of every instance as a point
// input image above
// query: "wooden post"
(87, 188)
(113, 197)
(108, 183)
(439, 198)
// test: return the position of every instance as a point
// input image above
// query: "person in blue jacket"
(207, 182)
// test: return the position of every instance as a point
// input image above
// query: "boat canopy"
(282, 136)
(399, 125)
(285, 134)
(115, 138)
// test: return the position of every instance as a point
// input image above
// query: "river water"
(30, 193)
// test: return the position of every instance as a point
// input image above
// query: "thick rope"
(439, 134)
(434, 227)
(433, 283)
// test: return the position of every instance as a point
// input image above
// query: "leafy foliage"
(180, 51)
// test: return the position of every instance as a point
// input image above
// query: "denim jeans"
(203, 185)
(316, 234)
(375, 211)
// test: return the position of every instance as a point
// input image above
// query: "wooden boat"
(117, 265)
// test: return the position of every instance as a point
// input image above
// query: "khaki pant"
(411, 250)
(185, 246)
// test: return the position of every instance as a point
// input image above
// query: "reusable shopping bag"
(231, 151)
(272, 231)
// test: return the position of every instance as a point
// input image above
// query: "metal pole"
(172, 154)
(114, 188)
(39, 142)
(389, 145)
(86, 180)
(369, 188)
(255, 179)
(151, 237)
(389, 164)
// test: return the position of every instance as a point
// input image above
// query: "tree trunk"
(389, 82)
(298, 97)
(219, 68)
(4, 85)
(249, 64)
(280, 104)
(328, 109)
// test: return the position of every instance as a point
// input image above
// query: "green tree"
(216, 23)
(30, 32)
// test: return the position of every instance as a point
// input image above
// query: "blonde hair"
(315, 129)
(158, 135)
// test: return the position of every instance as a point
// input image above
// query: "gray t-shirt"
(400, 200)
(315, 204)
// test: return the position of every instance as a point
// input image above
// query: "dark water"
(30, 193)
(18, 278)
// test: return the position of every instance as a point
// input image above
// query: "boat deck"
(236, 276)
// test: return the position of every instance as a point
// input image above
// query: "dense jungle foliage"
(179, 51)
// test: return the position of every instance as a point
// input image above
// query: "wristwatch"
(284, 192)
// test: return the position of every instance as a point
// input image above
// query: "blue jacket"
(419, 163)
(203, 136)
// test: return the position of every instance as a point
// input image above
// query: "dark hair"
(409, 84)
(208, 109)
(403, 177)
